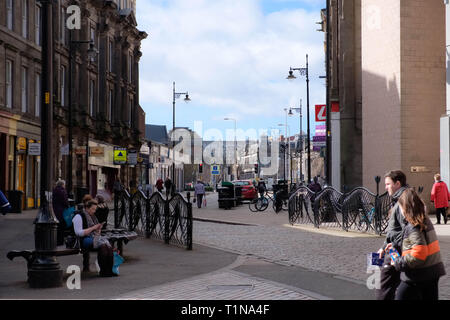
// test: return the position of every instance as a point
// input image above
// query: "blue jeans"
(87, 242)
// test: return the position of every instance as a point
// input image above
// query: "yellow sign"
(47, 97)
(21, 144)
(120, 155)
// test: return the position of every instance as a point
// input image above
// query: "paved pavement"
(237, 255)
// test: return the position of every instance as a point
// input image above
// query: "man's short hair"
(397, 175)
(437, 177)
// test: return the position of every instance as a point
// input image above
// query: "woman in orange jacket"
(440, 196)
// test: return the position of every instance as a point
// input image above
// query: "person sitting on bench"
(86, 227)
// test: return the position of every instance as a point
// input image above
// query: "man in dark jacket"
(168, 186)
(395, 184)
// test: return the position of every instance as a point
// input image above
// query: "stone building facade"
(102, 92)
(387, 71)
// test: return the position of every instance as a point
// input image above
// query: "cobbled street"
(271, 237)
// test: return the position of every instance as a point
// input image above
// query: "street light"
(176, 95)
(235, 147)
(299, 110)
(304, 72)
(288, 133)
(92, 54)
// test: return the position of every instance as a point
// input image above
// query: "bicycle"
(259, 203)
(366, 218)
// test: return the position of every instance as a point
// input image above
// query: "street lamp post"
(235, 148)
(286, 146)
(44, 271)
(176, 95)
(299, 110)
(305, 72)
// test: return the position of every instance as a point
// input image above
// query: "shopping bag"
(68, 216)
(118, 260)
(204, 202)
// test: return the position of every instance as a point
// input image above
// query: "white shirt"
(78, 225)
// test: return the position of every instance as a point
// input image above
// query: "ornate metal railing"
(359, 210)
(169, 220)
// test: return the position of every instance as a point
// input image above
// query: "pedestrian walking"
(440, 196)
(420, 264)
(60, 202)
(168, 186)
(199, 192)
(159, 185)
(315, 186)
(395, 184)
(5, 206)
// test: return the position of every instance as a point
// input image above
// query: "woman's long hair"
(413, 208)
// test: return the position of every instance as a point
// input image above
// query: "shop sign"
(120, 155)
(96, 151)
(34, 149)
(80, 150)
(21, 144)
(132, 157)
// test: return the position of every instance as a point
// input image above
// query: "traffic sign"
(215, 169)
(120, 155)
(321, 112)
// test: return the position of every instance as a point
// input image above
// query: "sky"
(232, 57)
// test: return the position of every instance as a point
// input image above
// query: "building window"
(37, 96)
(110, 106)
(91, 97)
(9, 14)
(63, 86)
(111, 56)
(130, 115)
(62, 26)
(25, 18)
(9, 83)
(130, 68)
(37, 24)
(24, 89)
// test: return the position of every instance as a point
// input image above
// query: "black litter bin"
(238, 194)
(226, 196)
(15, 200)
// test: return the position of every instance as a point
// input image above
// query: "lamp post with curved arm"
(176, 95)
(305, 72)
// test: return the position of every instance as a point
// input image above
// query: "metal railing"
(169, 220)
(359, 210)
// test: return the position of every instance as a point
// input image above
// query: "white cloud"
(226, 53)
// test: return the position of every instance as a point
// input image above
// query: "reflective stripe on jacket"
(421, 256)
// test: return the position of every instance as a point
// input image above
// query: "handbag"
(68, 214)
(194, 200)
(72, 242)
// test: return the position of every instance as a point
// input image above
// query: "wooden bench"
(115, 236)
